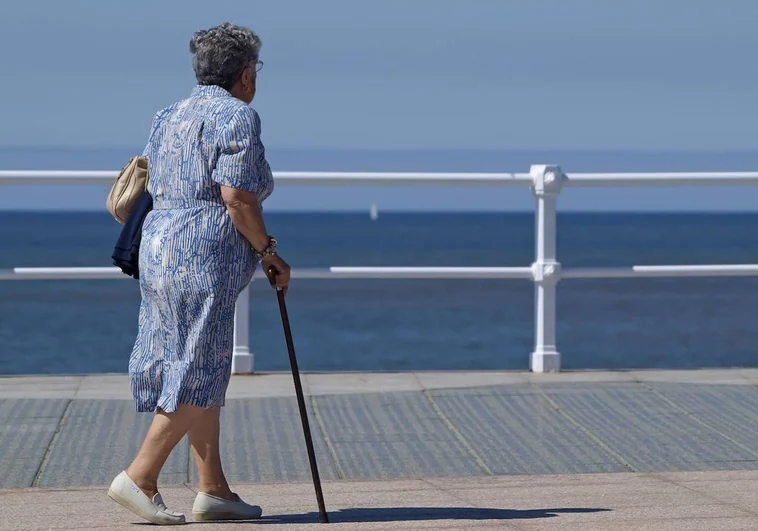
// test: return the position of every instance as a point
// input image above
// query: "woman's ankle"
(219, 491)
(148, 486)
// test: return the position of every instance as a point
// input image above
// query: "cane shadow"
(415, 514)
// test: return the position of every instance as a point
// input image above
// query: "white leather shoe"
(207, 507)
(126, 493)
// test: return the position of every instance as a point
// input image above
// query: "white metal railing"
(545, 182)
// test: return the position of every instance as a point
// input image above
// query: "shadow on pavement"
(407, 514)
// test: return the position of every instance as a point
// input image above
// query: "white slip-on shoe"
(126, 493)
(208, 507)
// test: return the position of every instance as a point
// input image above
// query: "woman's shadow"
(409, 514)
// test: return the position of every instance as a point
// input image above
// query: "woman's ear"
(249, 78)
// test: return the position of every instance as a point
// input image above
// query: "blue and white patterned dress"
(193, 262)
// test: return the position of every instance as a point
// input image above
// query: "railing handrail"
(353, 178)
(421, 272)
(545, 182)
(289, 178)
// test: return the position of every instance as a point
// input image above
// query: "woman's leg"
(164, 434)
(215, 500)
(204, 437)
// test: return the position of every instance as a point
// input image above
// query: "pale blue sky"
(396, 74)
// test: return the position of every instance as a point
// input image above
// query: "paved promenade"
(653, 450)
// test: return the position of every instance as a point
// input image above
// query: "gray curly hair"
(222, 53)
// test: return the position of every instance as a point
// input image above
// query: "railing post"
(546, 270)
(242, 358)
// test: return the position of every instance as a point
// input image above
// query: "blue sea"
(65, 327)
(89, 326)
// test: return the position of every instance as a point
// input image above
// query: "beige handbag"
(129, 185)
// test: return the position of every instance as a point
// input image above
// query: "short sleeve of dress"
(151, 135)
(239, 147)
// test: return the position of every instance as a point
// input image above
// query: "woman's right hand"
(281, 272)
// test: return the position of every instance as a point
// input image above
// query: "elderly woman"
(200, 245)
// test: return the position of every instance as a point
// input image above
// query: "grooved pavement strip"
(651, 450)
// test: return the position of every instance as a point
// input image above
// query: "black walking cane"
(323, 517)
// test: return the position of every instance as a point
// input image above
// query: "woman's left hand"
(275, 266)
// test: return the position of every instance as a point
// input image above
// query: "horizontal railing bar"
(108, 273)
(401, 179)
(57, 178)
(32, 177)
(98, 273)
(75, 177)
(680, 271)
(661, 179)
(715, 270)
(433, 272)
(61, 273)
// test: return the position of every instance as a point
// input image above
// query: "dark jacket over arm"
(126, 253)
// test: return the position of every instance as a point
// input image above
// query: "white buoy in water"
(374, 212)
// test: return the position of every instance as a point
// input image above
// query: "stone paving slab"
(27, 428)
(391, 435)
(730, 411)
(96, 439)
(515, 431)
(460, 451)
(116, 386)
(560, 425)
(50, 387)
(262, 441)
(649, 433)
(625, 501)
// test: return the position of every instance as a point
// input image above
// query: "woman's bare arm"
(246, 216)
